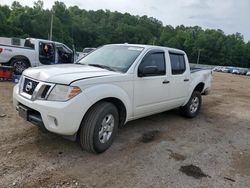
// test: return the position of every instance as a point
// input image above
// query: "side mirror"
(148, 71)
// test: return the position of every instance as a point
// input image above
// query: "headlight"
(63, 93)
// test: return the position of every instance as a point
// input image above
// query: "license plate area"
(23, 112)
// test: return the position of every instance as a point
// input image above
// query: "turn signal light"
(1, 50)
(75, 91)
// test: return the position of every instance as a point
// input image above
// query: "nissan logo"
(28, 87)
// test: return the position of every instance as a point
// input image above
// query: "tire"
(99, 127)
(192, 108)
(19, 65)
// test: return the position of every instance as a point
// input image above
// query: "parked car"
(217, 69)
(248, 73)
(236, 71)
(230, 69)
(33, 53)
(227, 69)
(243, 71)
(86, 51)
(106, 89)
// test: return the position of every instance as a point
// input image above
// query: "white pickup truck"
(32, 54)
(115, 84)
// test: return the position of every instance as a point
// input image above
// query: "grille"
(29, 86)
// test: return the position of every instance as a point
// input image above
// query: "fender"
(202, 77)
(99, 92)
(20, 57)
(193, 85)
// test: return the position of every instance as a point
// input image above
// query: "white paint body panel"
(141, 96)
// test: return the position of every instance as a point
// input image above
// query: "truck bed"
(194, 69)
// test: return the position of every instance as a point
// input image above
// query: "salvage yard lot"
(148, 152)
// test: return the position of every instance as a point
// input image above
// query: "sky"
(231, 16)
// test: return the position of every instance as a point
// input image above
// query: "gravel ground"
(164, 150)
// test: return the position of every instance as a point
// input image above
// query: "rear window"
(178, 64)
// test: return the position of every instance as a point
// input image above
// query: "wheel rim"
(194, 104)
(106, 129)
(19, 66)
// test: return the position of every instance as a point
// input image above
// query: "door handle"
(186, 80)
(166, 82)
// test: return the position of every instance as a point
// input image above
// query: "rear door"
(180, 78)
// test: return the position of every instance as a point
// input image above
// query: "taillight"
(1, 50)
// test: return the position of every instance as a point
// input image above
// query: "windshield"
(117, 58)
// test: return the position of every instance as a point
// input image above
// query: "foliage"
(81, 28)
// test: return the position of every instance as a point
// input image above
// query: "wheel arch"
(20, 57)
(118, 104)
(198, 87)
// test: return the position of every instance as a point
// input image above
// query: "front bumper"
(58, 117)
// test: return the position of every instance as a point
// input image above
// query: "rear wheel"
(19, 65)
(192, 108)
(99, 127)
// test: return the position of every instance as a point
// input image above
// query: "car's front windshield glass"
(116, 57)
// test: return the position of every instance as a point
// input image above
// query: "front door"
(151, 84)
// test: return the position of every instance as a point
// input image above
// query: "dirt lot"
(150, 152)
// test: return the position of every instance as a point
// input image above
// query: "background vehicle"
(227, 69)
(218, 69)
(243, 71)
(109, 87)
(31, 53)
(85, 52)
(230, 69)
(236, 71)
(248, 73)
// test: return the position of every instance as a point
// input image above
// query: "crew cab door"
(180, 78)
(151, 84)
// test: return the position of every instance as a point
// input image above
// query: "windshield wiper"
(79, 63)
(102, 66)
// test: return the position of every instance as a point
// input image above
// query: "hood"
(67, 73)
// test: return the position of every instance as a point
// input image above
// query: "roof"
(151, 47)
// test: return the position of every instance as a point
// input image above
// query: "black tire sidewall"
(186, 109)
(18, 60)
(98, 146)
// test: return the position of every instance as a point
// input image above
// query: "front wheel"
(192, 108)
(99, 127)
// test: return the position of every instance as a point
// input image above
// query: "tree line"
(80, 28)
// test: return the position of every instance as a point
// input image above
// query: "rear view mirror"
(148, 71)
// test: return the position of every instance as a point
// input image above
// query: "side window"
(156, 61)
(64, 54)
(178, 64)
(46, 53)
